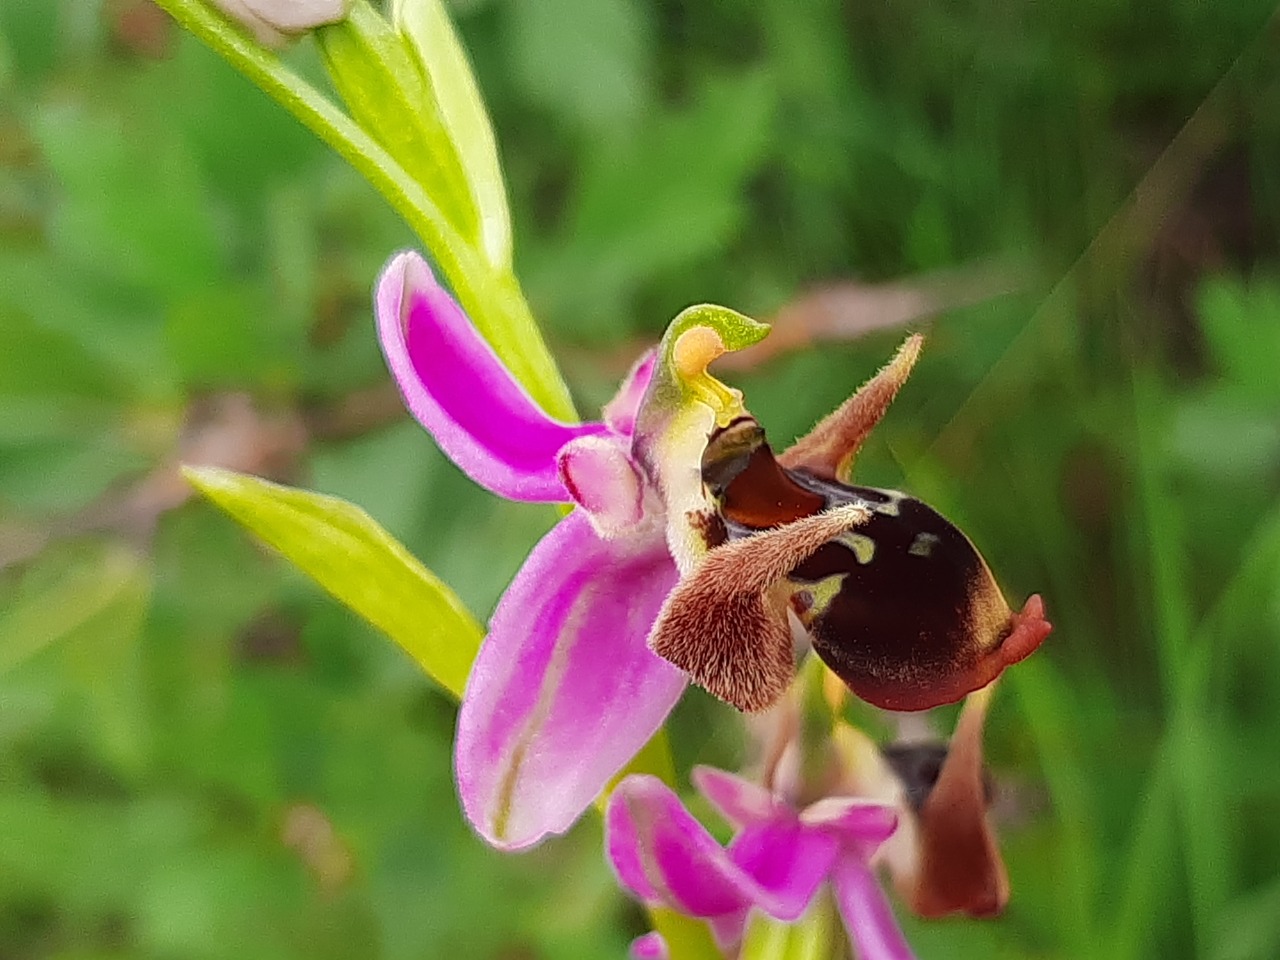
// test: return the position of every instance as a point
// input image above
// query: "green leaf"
(66, 471)
(133, 204)
(48, 363)
(673, 194)
(589, 60)
(427, 30)
(1250, 926)
(7, 68)
(1241, 321)
(42, 292)
(343, 550)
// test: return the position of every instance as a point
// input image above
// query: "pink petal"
(787, 859)
(564, 691)
(600, 477)
(870, 923)
(665, 856)
(649, 947)
(859, 825)
(456, 387)
(739, 801)
(620, 412)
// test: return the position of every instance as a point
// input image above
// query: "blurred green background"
(201, 756)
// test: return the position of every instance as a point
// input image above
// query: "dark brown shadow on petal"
(752, 489)
(1026, 631)
(906, 612)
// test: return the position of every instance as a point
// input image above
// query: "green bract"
(428, 33)
(342, 549)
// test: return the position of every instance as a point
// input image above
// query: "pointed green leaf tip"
(341, 548)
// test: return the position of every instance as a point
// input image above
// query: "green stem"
(817, 720)
(493, 301)
(815, 936)
(686, 938)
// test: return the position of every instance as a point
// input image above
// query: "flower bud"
(273, 22)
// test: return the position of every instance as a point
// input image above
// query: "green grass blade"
(42, 618)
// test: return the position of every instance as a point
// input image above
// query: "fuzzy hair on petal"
(828, 449)
(726, 624)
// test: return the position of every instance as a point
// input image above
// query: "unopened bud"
(273, 22)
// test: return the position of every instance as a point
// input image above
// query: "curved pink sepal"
(735, 798)
(665, 856)
(564, 691)
(620, 412)
(858, 824)
(455, 386)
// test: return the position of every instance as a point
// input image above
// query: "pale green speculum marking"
(862, 546)
(922, 545)
(817, 597)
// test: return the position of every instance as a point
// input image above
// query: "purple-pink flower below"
(917, 809)
(778, 861)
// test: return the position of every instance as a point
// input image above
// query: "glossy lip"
(757, 493)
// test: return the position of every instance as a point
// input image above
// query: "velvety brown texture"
(915, 622)
(726, 623)
(960, 868)
(828, 449)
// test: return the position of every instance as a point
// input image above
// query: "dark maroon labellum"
(902, 608)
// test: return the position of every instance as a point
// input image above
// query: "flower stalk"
(487, 289)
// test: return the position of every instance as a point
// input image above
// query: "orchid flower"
(778, 861)
(917, 809)
(943, 859)
(687, 540)
(777, 554)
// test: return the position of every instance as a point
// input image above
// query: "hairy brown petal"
(828, 449)
(726, 623)
(960, 868)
